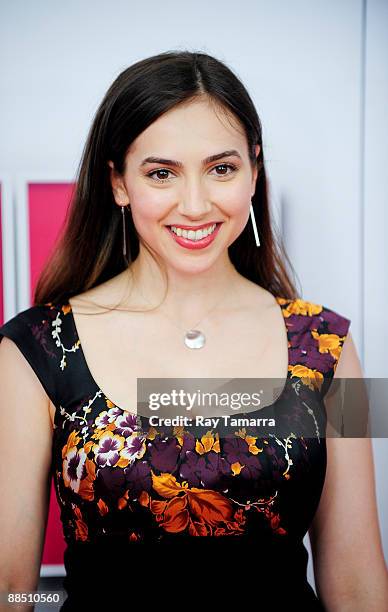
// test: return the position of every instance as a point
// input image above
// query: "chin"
(190, 267)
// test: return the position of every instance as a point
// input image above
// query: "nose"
(194, 204)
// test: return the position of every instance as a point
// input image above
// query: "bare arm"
(25, 443)
(349, 565)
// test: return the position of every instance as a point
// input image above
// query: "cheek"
(148, 208)
(236, 207)
(234, 196)
(147, 214)
(235, 204)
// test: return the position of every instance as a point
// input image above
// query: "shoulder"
(317, 314)
(317, 335)
(34, 331)
(330, 326)
(27, 320)
(34, 325)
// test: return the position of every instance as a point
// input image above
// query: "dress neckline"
(281, 303)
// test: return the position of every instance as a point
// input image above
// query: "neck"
(190, 295)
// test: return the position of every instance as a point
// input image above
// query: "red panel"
(47, 205)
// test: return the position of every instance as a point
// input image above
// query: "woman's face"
(169, 181)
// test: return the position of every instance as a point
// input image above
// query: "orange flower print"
(199, 511)
(329, 343)
(72, 441)
(263, 506)
(302, 307)
(208, 443)
(102, 507)
(310, 378)
(250, 440)
(81, 531)
(236, 468)
(86, 487)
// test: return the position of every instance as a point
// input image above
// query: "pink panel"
(47, 206)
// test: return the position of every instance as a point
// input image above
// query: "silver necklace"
(193, 338)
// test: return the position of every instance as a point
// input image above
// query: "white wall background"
(317, 71)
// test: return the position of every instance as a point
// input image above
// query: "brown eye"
(226, 166)
(159, 180)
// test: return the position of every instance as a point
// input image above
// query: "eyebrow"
(178, 164)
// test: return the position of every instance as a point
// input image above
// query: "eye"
(232, 167)
(163, 180)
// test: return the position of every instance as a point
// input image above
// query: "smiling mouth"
(194, 232)
(195, 227)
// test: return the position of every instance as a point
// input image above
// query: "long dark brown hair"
(88, 250)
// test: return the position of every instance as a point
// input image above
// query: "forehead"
(197, 127)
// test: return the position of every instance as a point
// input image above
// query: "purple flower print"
(138, 479)
(106, 417)
(336, 324)
(236, 449)
(107, 451)
(126, 424)
(109, 484)
(134, 447)
(164, 453)
(204, 470)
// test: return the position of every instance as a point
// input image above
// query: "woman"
(158, 243)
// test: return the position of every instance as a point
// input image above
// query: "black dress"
(154, 514)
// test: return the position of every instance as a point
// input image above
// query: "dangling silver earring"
(124, 233)
(254, 225)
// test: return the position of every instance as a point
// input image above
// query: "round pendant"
(194, 339)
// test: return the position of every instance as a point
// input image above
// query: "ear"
(255, 170)
(118, 188)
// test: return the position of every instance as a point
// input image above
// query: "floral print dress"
(239, 504)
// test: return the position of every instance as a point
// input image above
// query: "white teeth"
(193, 235)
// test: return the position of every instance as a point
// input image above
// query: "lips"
(193, 227)
(194, 244)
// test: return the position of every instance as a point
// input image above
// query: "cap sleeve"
(333, 329)
(25, 329)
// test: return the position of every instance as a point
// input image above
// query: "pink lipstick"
(190, 243)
